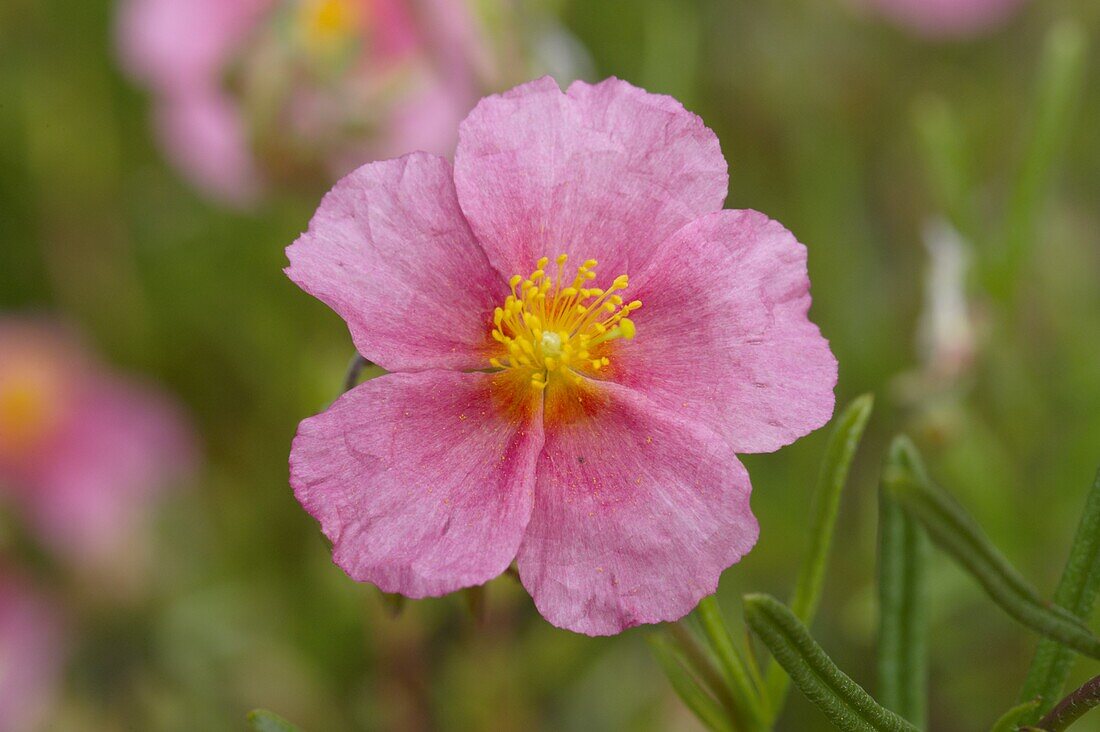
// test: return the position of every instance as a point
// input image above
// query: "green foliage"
(902, 658)
(699, 701)
(1077, 593)
(833, 475)
(1060, 82)
(955, 532)
(1011, 719)
(749, 698)
(842, 700)
(261, 720)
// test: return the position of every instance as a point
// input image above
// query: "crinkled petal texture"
(422, 481)
(606, 172)
(724, 337)
(637, 512)
(386, 248)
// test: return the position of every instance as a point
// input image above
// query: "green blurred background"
(850, 132)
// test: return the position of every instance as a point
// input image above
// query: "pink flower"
(579, 420)
(946, 18)
(251, 93)
(31, 656)
(81, 450)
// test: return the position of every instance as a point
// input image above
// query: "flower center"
(327, 24)
(549, 328)
(28, 410)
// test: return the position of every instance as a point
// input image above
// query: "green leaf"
(747, 696)
(843, 442)
(842, 700)
(1077, 593)
(946, 161)
(956, 533)
(696, 659)
(261, 720)
(702, 704)
(903, 548)
(1012, 718)
(1059, 85)
(1073, 707)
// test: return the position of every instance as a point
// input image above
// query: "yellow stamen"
(549, 326)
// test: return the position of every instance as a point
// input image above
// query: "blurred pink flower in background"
(82, 451)
(31, 655)
(945, 18)
(254, 93)
(548, 418)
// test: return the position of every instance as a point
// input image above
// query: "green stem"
(1059, 85)
(747, 696)
(702, 704)
(902, 655)
(833, 476)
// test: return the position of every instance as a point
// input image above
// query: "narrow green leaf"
(261, 720)
(842, 700)
(701, 704)
(843, 442)
(956, 533)
(1073, 707)
(903, 547)
(747, 696)
(696, 659)
(946, 162)
(1077, 593)
(1011, 719)
(1059, 86)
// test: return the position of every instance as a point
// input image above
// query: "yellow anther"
(546, 328)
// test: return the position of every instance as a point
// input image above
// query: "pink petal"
(31, 656)
(184, 43)
(422, 481)
(637, 512)
(204, 136)
(605, 172)
(723, 333)
(122, 446)
(946, 18)
(389, 251)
